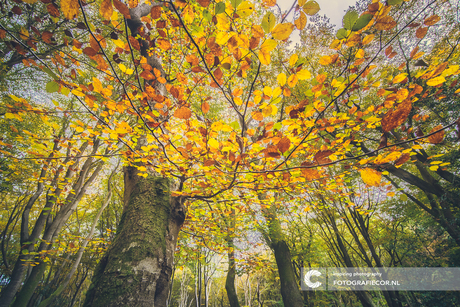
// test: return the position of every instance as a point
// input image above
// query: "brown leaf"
(403, 159)
(310, 173)
(437, 137)
(388, 50)
(89, 51)
(16, 10)
(283, 144)
(421, 63)
(394, 118)
(383, 141)
(421, 32)
(385, 23)
(53, 10)
(204, 3)
(321, 157)
(122, 8)
(271, 152)
(155, 12)
(163, 44)
(46, 36)
(134, 43)
(218, 73)
(106, 9)
(254, 42)
(93, 43)
(433, 19)
(183, 113)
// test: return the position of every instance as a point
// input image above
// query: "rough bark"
(137, 268)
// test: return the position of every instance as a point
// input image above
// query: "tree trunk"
(137, 268)
(231, 274)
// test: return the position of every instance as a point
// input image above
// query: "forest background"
(185, 153)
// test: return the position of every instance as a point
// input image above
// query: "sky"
(334, 9)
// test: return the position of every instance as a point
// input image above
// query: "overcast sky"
(334, 9)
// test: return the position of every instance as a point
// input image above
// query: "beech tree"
(204, 101)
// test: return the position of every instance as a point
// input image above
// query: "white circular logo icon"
(308, 281)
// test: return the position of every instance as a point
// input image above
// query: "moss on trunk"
(137, 268)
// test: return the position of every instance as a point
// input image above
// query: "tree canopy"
(231, 139)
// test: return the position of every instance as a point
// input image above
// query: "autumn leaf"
(53, 10)
(245, 9)
(394, 118)
(122, 8)
(205, 107)
(321, 157)
(371, 177)
(133, 3)
(163, 44)
(433, 19)
(311, 8)
(421, 32)
(281, 79)
(282, 31)
(284, 144)
(436, 81)
(301, 22)
(269, 3)
(385, 23)
(437, 137)
(183, 113)
(70, 8)
(268, 22)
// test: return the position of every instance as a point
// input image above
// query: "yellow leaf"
(70, 8)
(264, 57)
(369, 38)
(436, 81)
(399, 78)
(281, 79)
(371, 177)
(303, 74)
(213, 143)
(301, 22)
(268, 45)
(359, 54)
(293, 59)
(282, 31)
(325, 60)
(245, 9)
(268, 91)
(292, 80)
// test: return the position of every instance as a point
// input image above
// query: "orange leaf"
(269, 3)
(70, 8)
(433, 19)
(371, 177)
(183, 113)
(437, 137)
(134, 43)
(283, 144)
(133, 3)
(394, 118)
(204, 3)
(163, 44)
(106, 9)
(301, 22)
(205, 107)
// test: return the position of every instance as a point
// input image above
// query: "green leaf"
(235, 3)
(311, 8)
(350, 19)
(220, 8)
(268, 22)
(207, 15)
(362, 22)
(50, 73)
(25, 252)
(394, 2)
(52, 87)
(342, 33)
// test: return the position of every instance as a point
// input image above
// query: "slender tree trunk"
(231, 274)
(137, 268)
